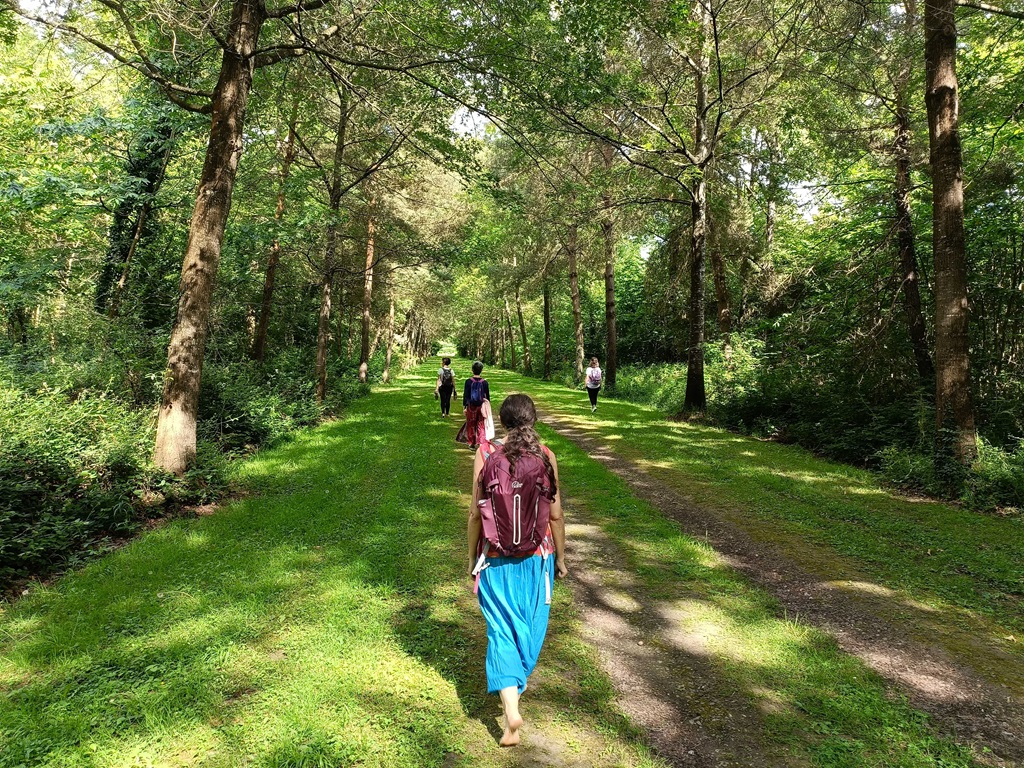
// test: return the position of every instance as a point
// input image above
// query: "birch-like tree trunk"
(176, 425)
(527, 359)
(611, 355)
(364, 355)
(696, 395)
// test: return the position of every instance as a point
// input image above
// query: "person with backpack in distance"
(475, 391)
(593, 383)
(516, 537)
(445, 386)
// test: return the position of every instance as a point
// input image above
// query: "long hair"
(518, 415)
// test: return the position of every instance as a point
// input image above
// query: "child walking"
(516, 537)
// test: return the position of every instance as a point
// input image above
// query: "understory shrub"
(69, 470)
(75, 462)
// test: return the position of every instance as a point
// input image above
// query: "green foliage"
(69, 471)
(994, 481)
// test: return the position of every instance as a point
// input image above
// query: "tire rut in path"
(665, 683)
(962, 702)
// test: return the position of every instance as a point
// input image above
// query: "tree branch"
(980, 6)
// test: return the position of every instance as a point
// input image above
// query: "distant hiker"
(445, 386)
(474, 393)
(515, 526)
(593, 383)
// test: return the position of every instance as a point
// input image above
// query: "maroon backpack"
(515, 504)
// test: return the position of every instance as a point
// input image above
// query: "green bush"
(995, 481)
(69, 470)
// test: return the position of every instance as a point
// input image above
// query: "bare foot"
(511, 736)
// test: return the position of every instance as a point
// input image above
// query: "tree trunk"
(527, 359)
(147, 162)
(176, 427)
(364, 357)
(721, 295)
(571, 247)
(953, 405)
(323, 327)
(905, 241)
(547, 330)
(287, 158)
(696, 395)
(323, 331)
(611, 354)
(391, 334)
(511, 337)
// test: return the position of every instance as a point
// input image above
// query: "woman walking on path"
(445, 386)
(510, 552)
(474, 392)
(593, 383)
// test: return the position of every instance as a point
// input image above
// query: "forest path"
(963, 669)
(324, 620)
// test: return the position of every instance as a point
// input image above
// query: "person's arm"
(465, 395)
(557, 523)
(474, 527)
(487, 390)
(437, 384)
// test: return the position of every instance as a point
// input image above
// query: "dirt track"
(690, 721)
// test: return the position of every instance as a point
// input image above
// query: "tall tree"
(954, 409)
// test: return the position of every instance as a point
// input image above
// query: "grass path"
(325, 621)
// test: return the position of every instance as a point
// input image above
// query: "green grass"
(326, 621)
(818, 704)
(831, 517)
(323, 621)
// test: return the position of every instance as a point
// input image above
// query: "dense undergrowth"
(76, 439)
(892, 432)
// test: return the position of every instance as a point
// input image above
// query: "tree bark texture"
(953, 403)
(547, 330)
(696, 395)
(721, 294)
(571, 252)
(905, 242)
(323, 330)
(287, 158)
(390, 334)
(176, 427)
(364, 356)
(527, 359)
(611, 354)
(511, 336)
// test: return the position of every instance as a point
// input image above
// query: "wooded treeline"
(234, 216)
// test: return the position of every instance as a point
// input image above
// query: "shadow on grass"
(940, 555)
(158, 640)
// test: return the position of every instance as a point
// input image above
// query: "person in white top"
(593, 383)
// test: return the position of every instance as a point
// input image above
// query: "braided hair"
(518, 415)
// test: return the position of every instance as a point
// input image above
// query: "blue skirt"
(515, 598)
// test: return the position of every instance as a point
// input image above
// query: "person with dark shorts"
(593, 383)
(445, 386)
